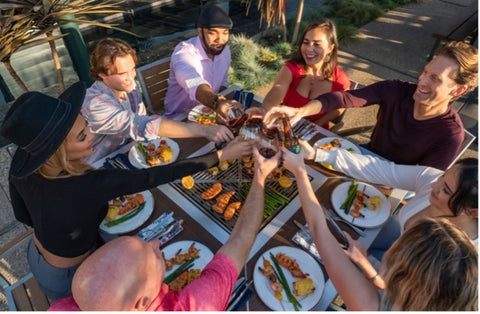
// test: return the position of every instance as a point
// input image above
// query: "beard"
(208, 48)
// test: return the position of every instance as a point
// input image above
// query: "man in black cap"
(199, 65)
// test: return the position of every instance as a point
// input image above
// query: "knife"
(337, 232)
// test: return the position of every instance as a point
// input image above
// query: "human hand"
(356, 250)
(294, 114)
(307, 149)
(217, 133)
(264, 166)
(293, 162)
(236, 149)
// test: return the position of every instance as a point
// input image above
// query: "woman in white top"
(452, 194)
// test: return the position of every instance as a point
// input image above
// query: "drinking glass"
(268, 146)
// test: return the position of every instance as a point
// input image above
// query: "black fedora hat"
(38, 124)
(212, 16)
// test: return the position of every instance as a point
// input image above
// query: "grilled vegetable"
(281, 277)
(126, 217)
(352, 194)
(177, 272)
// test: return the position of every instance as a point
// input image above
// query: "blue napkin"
(122, 157)
(243, 300)
(244, 97)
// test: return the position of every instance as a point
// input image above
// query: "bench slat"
(38, 298)
(22, 302)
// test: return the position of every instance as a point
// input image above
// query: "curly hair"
(330, 60)
(467, 58)
(103, 57)
(431, 267)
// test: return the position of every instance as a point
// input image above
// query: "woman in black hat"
(63, 199)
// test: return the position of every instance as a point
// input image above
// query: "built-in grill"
(235, 178)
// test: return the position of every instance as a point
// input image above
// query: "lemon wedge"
(188, 182)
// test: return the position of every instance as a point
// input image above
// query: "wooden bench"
(153, 79)
(464, 27)
(24, 294)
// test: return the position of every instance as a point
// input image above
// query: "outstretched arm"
(356, 291)
(246, 228)
(177, 129)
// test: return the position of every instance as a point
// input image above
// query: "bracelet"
(372, 279)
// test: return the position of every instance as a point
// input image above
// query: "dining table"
(200, 227)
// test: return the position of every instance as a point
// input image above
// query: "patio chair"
(24, 294)
(153, 79)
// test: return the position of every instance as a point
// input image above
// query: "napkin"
(244, 97)
(304, 240)
(164, 228)
(121, 157)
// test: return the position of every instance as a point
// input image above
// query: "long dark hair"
(331, 60)
(465, 197)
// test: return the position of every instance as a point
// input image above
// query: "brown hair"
(331, 60)
(103, 57)
(467, 58)
(431, 267)
(70, 168)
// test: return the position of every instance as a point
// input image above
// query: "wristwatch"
(216, 100)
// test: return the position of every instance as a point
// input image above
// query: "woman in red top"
(311, 72)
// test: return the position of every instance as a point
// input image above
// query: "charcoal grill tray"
(232, 179)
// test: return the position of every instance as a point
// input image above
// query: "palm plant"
(24, 22)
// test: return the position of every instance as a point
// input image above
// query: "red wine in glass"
(267, 152)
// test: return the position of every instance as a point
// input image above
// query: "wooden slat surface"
(22, 301)
(38, 298)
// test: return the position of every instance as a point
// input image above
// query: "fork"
(332, 215)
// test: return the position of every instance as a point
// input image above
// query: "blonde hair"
(432, 266)
(59, 160)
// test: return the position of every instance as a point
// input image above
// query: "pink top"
(340, 82)
(209, 292)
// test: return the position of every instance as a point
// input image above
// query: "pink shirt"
(189, 68)
(209, 292)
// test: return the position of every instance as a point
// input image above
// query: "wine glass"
(268, 146)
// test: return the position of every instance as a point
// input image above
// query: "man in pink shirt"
(126, 274)
(199, 66)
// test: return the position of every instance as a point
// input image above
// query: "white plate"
(345, 144)
(205, 255)
(306, 263)
(137, 160)
(197, 110)
(372, 219)
(134, 222)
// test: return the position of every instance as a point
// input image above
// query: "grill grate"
(235, 178)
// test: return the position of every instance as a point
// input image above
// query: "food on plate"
(180, 258)
(331, 145)
(212, 192)
(231, 209)
(213, 171)
(290, 264)
(112, 212)
(222, 202)
(204, 119)
(156, 155)
(185, 261)
(188, 182)
(276, 286)
(285, 182)
(133, 201)
(303, 287)
(123, 204)
(352, 192)
(374, 202)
